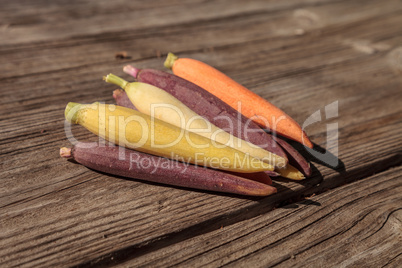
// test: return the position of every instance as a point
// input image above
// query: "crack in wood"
(382, 225)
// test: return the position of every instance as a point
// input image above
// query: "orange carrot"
(253, 106)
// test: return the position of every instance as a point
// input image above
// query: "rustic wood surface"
(300, 55)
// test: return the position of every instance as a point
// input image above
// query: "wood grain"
(300, 55)
(354, 225)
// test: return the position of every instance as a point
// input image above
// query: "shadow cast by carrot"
(289, 198)
(318, 155)
(292, 202)
(326, 160)
(314, 179)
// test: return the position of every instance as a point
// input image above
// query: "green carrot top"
(171, 58)
(71, 112)
(114, 79)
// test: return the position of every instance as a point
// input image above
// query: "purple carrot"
(263, 177)
(122, 99)
(272, 173)
(209, 106)
(295, 158)
(132, 164)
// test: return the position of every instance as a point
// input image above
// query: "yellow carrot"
(253, 106)
(160, 104)
(135, 130)
(290, 172)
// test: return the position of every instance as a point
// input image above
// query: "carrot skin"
(122, 99)
(147, 167)
(253, 106)
(146, 98)
(132, 129)
(272, 173)
(295, 158)
(263, 177)
(209, 106)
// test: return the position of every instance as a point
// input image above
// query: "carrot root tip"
(116, 93)
(65, 152)
(128, 69)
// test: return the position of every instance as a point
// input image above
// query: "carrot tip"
(170, 59)
(116, 93)
(306, 141)
(128, 69)
(309, 144)
(269, 190)
(298, 177)
(65, 152)
(262, 190)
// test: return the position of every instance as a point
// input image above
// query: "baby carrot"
(208, 106)
(143, 102)
(263, 177)
(160, 104)
(253, 106)
(290, 172)
(135, 130)
(147, 167)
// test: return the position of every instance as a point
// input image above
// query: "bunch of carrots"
(184, 129)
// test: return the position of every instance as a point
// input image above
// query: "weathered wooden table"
(300, 55)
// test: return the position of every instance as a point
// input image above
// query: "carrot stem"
(171, 58)
(114, 79)
(71, 112)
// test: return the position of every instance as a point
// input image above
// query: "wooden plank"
(25, 22)
(56, 213)
(356, 225)
(264, 26)
(90, 205)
